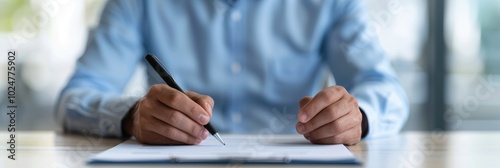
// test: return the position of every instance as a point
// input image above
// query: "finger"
(145, 136)
(304, 101)
(320, 101)
(171, 132)
(180, 121)
(336, 127)
(203, 100)
(349, 137)
(327, 115)
(153, 138)
(181, 102)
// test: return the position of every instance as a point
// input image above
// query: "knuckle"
(326, 94)
(337, 126)
(331, 112)
(331, 116)
(145, 104)
(155, 88)
(352, 101)
(340, 89)
(195, 130)
(174, 118)
(174, 98)
(192, 110)
(169, 132)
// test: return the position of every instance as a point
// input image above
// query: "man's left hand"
(330, 117)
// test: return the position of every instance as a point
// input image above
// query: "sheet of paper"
(239, 148)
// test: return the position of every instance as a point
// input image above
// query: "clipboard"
(240, 149)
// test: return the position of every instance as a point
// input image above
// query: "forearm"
(88, 111)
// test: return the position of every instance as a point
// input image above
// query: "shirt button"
(236, 67)
(236, 16)
(236, 117)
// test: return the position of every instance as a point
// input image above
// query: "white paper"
(244, 148)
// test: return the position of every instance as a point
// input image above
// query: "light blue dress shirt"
(255, 58)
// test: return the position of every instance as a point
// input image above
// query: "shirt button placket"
(236, 68)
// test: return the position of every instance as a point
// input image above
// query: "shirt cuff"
(364, 124)
(91, 112)
(127, 103)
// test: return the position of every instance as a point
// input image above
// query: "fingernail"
(300, 128)
(209, 106)
(204, 135)
(203, 118)
(302, 118)
(198, 141)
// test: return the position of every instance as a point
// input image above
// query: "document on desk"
(292, 149)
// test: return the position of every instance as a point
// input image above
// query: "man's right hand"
(167, 116)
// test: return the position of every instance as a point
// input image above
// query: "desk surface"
(409, 149)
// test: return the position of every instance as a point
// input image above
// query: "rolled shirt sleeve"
(92, 102)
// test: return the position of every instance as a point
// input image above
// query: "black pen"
(167, 77)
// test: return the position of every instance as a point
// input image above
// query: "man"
(247, 64)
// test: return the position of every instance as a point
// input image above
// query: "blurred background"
(446, 53)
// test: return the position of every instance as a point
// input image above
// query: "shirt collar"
(231, 2)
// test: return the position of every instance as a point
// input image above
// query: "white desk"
(410, 149)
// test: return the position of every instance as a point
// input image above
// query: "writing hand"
(167, 116)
